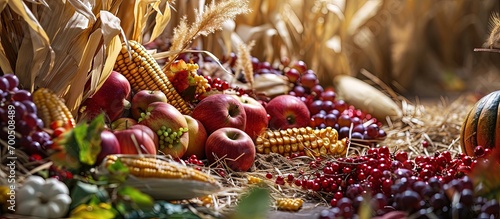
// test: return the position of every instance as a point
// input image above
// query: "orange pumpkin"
(482, 125)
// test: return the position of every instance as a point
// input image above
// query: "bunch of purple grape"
(21, 127)
(415, 198)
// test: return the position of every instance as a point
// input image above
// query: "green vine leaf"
(84, 193)
(253, 205)
(90, 146)
(118, 172)
(136, 197)
(79, 146)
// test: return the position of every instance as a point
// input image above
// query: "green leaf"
(135, 196)
(84, 193)
(253, 205)
(90, 145)
(65, 150)
(101, 210)
(163, 209)
(118, 172)
(122, 208)
(80, 145)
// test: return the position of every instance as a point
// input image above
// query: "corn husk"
(366, 97)
(173, 189)
(167, 189)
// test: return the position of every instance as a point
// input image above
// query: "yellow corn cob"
(52, 109)
(206, 200)
(144, 73)
(313, 142)
(254, 180)
(150, 167)
(289, 204)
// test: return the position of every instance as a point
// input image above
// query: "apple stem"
(234, 136)
(126, 104)
(233, 111)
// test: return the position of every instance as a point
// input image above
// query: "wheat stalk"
(207, 21)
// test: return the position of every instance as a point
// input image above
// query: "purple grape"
(409, 200)
(38, 136)
(356, 135)
(467, 197)
(13, 81)
(438, 201)
(39, 123)
(30, 106)
(31, 120)
(22, 128)
(325, 214)
(359, 128)
(344, 202)
(21, 95)
(379, 201)
(381, 133)
(33, 148)
(20, 110)
(402, 173)
(491, 207)
(25, 141)
(4, 84)
(343, 132)
(356, 203)
(372, 130)
(353, 190)
(47, 144)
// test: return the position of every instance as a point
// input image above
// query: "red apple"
(218, 111)
(197, 138)
(143, 98)
(122, 123)
(135, 141)
(232, 145)
(170, 126)
(257, 120)
(109, 145)
(111, 98)
(287, 111)
(148, 131)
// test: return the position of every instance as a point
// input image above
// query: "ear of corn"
(151, 167)
(144, 73)
(313, 142)
(289, 204)
(253, 180)
(52, 109)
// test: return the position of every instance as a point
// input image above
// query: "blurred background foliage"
(418, 47)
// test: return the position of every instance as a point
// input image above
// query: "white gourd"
(43, 198)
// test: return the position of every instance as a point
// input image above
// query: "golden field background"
(418, 47)
(421, 48)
